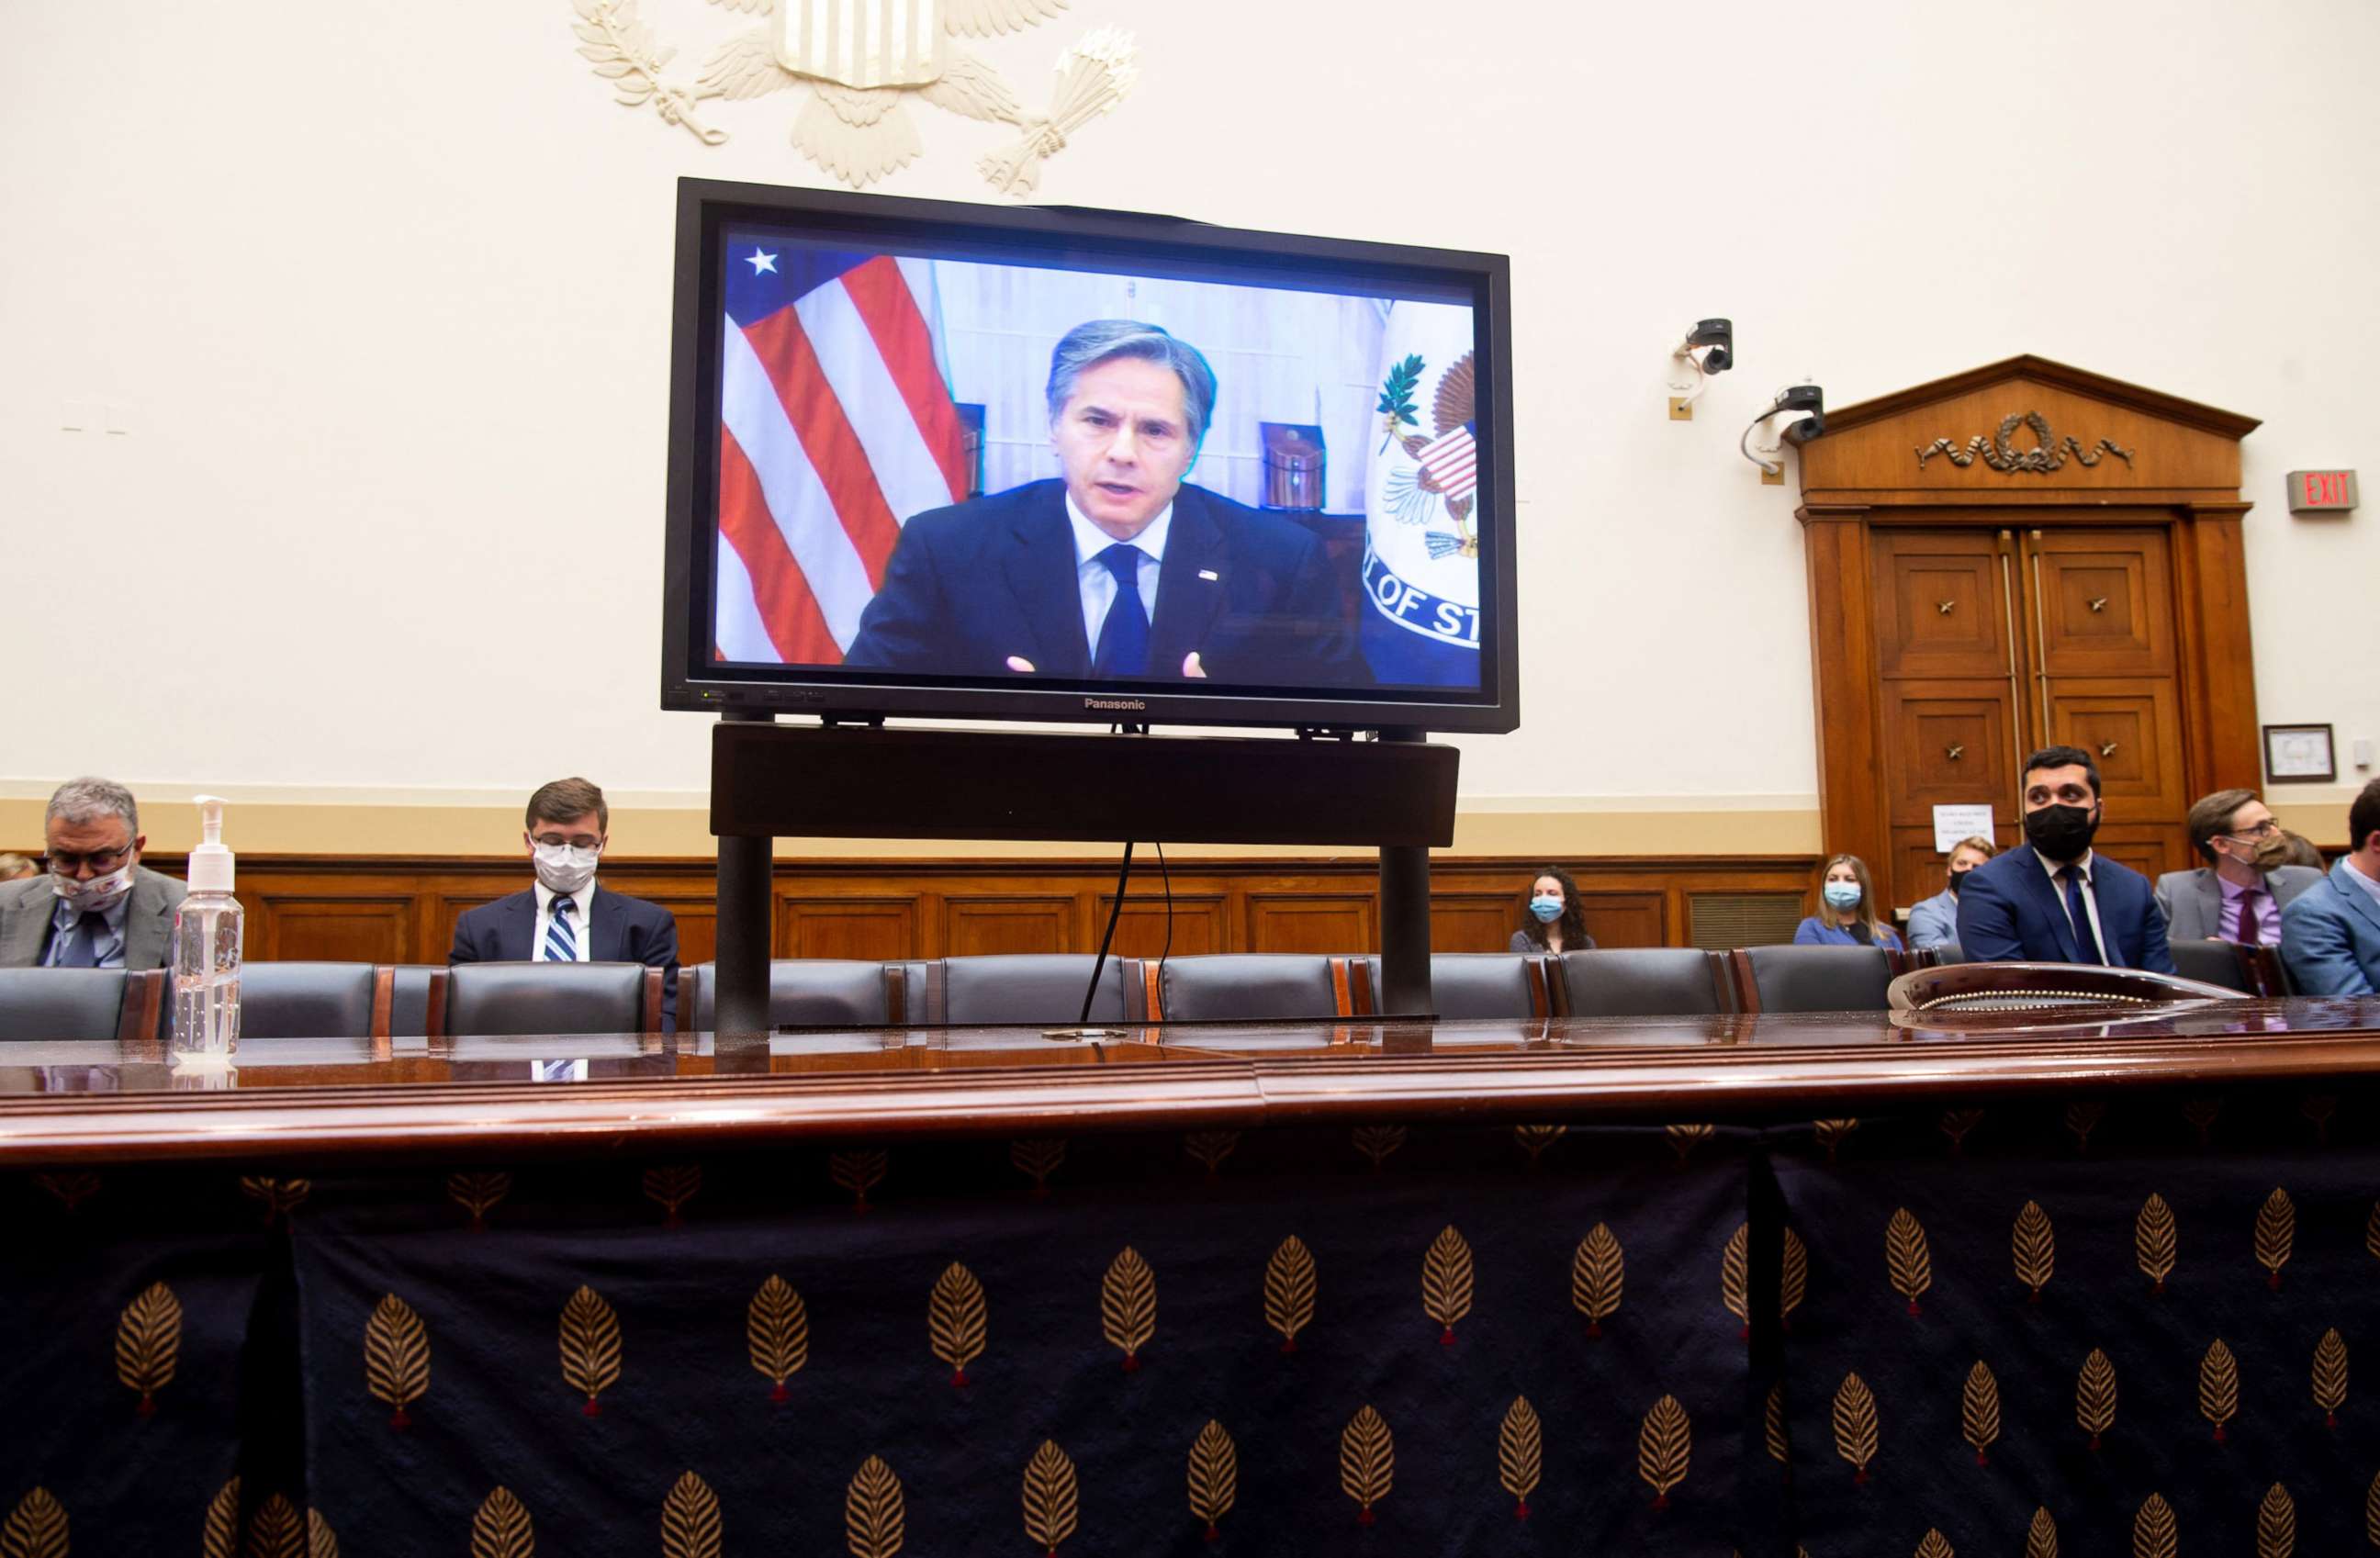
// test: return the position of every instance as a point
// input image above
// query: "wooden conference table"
(1854, 1282)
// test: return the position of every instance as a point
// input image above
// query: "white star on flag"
(761, 262)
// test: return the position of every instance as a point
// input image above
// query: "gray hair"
(1094, 343)
(88, 800)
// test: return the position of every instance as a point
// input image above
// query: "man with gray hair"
(97, 907)
(1118, 571)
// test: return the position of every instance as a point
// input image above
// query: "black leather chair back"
(1277, 986)
(1643, 982)
(2216, 963)
(806, 992)
(1943, 955)
(1815, 978)
(551, 998)
(311, 1001)
(79, 1003)
(1480, 984)
(417, 993)
(1026, 989)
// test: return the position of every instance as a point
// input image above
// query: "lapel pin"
(1210, 575)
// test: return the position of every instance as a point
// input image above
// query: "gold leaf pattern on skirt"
(1597, 1273)
(2095, 1396)
(2277, 1231)
(1128, 1305)
(1733, 1261)
(690, 1519)
(2041, 1537)
(1367, 1461)
(777, 1333)
(1664, 1447)
(1214, 1475)
(1446, 1281)
(2153, 1529)
(1050, 1497)
(955, 1320)
(396, 1357)
(2276, 1524)
(590, 1347)
(1906, 1257)
(36, 1527)
(502, 1528)
(1376, 1141)
(2330, 1375)
(1288, 1290)
(874, 1517)
(149, 1343)
(2218, 1386)
(2155, 1242)
(1038, 1157)
(2034, 1248)
(1519, 1453)
(1855, 1424)
(1979, 1412)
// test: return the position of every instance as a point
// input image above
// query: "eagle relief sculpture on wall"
(863, 61)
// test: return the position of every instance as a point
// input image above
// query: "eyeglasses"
(2268, 828)
(66, 863)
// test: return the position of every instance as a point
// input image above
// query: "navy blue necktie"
(561, 942)
(1123, 637)
(2085, 936)
(81, 951)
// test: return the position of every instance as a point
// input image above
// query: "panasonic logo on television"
(1119, 704)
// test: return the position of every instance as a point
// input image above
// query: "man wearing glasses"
(2239, 893)
(97, 907)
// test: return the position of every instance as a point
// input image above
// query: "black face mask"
(2060, 833)
(1954, 881)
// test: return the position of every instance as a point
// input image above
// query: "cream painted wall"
(384, 291)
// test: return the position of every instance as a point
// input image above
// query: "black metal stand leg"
(1404, 921)
(745, 902)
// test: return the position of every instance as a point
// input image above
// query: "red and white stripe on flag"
(836, 427)
(1452, 462)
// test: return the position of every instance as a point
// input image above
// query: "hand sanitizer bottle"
(206, 948)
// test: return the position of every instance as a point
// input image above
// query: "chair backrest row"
(2252, 971)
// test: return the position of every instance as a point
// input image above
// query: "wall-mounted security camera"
(1715, 339)
(1805, 397)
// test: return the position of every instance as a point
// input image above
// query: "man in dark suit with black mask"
(565, 917)
(1119, 572)
(2051, 900)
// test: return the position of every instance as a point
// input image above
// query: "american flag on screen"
(1452, 462)
(835, 427)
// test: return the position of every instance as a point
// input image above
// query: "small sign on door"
(1954, 823)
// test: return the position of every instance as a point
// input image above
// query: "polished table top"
(316, 1099)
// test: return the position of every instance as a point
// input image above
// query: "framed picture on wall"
(2299, 755)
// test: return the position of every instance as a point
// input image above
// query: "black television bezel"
(706, 208)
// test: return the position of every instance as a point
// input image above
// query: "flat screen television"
(939, 460)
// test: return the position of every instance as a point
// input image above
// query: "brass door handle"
(2107, 749)
(1955, 752)
(2099, 603)
(1945, 607)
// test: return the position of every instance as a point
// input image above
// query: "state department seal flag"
(1422, 526)
(835, 427)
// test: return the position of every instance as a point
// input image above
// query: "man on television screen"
(1119, 570)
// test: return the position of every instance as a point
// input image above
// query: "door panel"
(2132, 727)
(1940, 609)
(1948, 742)
(2106, 603)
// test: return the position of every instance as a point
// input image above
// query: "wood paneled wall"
(404, 911)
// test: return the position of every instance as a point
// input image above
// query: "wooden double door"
(2000, 635)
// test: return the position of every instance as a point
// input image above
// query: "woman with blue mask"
(1554, 921)
(1847, 914)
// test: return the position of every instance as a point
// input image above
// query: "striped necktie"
(561, 939)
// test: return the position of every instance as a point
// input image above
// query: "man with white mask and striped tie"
(566, 917)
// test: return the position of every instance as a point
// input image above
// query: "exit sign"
(2321, 492)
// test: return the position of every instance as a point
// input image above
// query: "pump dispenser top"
(210, 862)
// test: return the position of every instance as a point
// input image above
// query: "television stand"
(845, 781)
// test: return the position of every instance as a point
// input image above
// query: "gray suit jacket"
(26, 908)
(2192, 900)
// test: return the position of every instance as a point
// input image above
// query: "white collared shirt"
(2370, 887)
(582, 919)
(2090, 898)
(1099, 585)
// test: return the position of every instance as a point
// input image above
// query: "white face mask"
(566, 868)
(96, 896)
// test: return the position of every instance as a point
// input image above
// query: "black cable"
(1165, 873)
(1106, 938)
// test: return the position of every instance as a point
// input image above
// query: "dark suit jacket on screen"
(26, 908)
(972, 585)
(2010, 911)
(626, 930)
(2330, 937)
(2192, 900)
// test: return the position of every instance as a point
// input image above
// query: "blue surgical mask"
(1547, 908)
(1842, 895)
